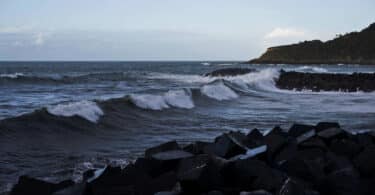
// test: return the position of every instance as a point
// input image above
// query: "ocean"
(58, 119)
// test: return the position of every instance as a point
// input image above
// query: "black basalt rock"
(172, 145)
(328, 161)
(230, 72)
(326, 125)
(27, 185)
(365, 162)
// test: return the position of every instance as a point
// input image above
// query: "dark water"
(92, 113)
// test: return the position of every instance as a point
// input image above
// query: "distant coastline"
(351, 48)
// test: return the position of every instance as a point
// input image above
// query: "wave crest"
(172, 98)
(218, 91)
(86, 109)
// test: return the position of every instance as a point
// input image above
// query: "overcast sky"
(169, 29)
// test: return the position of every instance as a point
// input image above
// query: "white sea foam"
(179, 99)
(172, 98)
(12, 75)
(264, 79)
(206, 63)
(311, 69)
(186, 78)
(86, 109)
(218, 91)
(148, 101)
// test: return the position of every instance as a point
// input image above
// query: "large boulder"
(365, 162)
(326, 125)
(27, 185)
(172, 145)
(302, 132)
(202, 177)
(249, 174)
(275, 140)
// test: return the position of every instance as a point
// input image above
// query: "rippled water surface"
(61, 118)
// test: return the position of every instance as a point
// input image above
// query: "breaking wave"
(86, 109)
(218, 91)
(172, 98)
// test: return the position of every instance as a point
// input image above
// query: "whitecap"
(148, 101)
(86, 109)
(186, 78)
(172, 98)
(206, 63)
(12, 75)
(218, 91)
(179, 99)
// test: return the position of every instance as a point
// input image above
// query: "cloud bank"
(285, 33)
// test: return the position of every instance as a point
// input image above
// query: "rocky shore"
(299, 81)
(326, 81)
(306, 159)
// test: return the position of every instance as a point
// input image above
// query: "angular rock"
(292, 187)
(77, 189)
(365, 162)
(188, 165)
(153, 167)
(27, 185)
(286, 153)
(172, 145)
(251, 152)
(228, 145)
(332, 133)
(339, 164)
(114, 180)
(326, 125)
(203, 178)
(340, 183)
(171, 155)
(314, 142)
(251, 174)
(275, 140)
(196, 147)
(345, 147)
(255, 136)
(364, 139)
(302, 132)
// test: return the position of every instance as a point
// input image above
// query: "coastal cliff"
(351, 48)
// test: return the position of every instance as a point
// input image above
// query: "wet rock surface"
(320, 159)
(326, 81)
(230, 72)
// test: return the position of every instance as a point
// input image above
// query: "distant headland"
(351, 48)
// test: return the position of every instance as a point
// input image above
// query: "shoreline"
(306, 159)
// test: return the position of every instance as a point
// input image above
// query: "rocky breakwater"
(308, 160)
(229, 72)
(326, 81)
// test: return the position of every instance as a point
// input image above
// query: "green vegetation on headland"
(351, 48)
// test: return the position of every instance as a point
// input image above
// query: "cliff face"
(352, 48)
